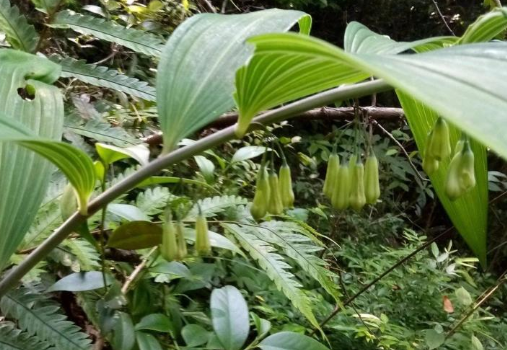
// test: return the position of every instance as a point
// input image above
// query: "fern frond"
(18, 32)
(214, 205)
(104, 77)
(276, 269)
(48, 218)
(100, 130)
(288, 237)
(34, 275)
(134, 39)
(38, 316)
(86, 255)
(12, 338)
(153, 200)
(88, 302)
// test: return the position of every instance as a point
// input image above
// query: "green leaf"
(469, 213)
(134, 39)
(154, 322)
(136, 235)
(216, 241)
(486, 27)
(290, 341)
(166, 271)
(206, 167)
(433, 339)
(19, 33)
(262, 326)
(110, 154)
(80, 282)
(24, 176)
(104, 77)
(37, 315)
(128, 212)
(476, 344)
(147, 341)
(276, 269)
(124, 333)
(74, 163)
(359, 39)
(192, 92)
(12, 338)
(194, 335)
(463, 296)
(229, 315)
(248, 152)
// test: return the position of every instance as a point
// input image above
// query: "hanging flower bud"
(260, 202)
(467, 171)
(180, 238)
(453, 188)
(429, 163)
(341, 192)
(372, 184)
(68, 202)
(440, 145)
(352, 166)
(461, 174)
(333, 165)
(275, 205)
(202, 242)
(286, 192)
(169, 246)
(357, 196)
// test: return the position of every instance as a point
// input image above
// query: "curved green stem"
(342, 93)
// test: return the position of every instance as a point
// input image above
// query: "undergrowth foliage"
(292, 237)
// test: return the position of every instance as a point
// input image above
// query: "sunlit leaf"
(486, 27)
(192, 91)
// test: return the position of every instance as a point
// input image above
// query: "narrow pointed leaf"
(193, 90)
(110, 154)
(24, 176)
(134, 39)
(19, 33)
(486, 27)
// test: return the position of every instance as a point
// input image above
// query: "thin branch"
(12, 277)
(478, 304)
(208, 5)
(324, 113)
(442, 17)
(137, 271)
(418, 174)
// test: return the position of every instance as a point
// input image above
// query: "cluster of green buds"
(174, 245)
(352, 184)
(273, 192)
(460, 174)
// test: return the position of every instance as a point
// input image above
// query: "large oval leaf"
(290, 341)
(195, 78)
(23, 174)
(229, 315)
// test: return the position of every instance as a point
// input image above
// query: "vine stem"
(12, 278)
(137, 271)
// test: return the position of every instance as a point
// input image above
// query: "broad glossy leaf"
(124, 333)
(195, 335)
(486, 27)
(128, 212)
(154, 322)
(229, 316)
(80, 282)
(174, 269)
(110, 154)
(146, 341)
(247, 152)
(73, 162)
(23, 174)
(206, 167)
(195, 79)
(136, 235)
(290, 341)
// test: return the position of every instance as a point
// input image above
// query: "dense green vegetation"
(146, 205)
